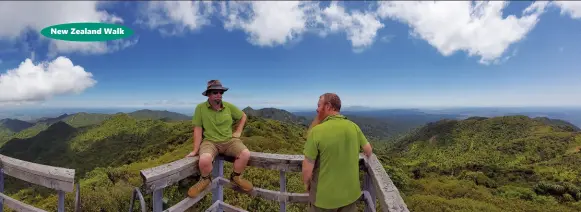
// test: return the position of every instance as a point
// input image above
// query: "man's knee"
(206, 160)
(244, 154)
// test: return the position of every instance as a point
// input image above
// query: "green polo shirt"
(217, 125)
(335, 145)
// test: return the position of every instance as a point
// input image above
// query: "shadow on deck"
(377, 186)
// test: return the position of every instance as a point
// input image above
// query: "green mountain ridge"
(510, 163)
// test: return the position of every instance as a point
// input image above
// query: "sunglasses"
(217, 92)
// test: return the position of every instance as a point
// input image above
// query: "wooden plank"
(390, 199)
(168, 174)
(369, 202)
(61, 201)
(1, 187)
(269, 194)
(189, 202)
(282, 178)
(213, 207)
(157, 200)
(48, 176)
(229, 208)
(218, 171)
(17, 205)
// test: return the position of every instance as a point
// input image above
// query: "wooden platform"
(378, 187)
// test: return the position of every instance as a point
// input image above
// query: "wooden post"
(1, 189)
(218, 171)
(158, 200)
(368, 186)
(61, 203)
(282, 189)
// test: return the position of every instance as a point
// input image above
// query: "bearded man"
(213, 135)
(331, 165)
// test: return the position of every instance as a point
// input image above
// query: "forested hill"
(511, 163)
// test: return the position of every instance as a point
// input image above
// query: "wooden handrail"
(60, 179)
(376, 183)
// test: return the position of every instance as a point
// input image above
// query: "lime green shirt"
(335, 145)
(217, 125)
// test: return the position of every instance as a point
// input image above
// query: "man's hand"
(193, 153)
(236, 134)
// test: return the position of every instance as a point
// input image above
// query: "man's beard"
(320, 116)
(217, 101)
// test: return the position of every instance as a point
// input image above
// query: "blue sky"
(405, 54)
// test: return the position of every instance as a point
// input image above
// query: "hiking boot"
(199, 187)
(242, 183)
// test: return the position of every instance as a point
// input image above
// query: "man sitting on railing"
(331, 165)
(214, 118)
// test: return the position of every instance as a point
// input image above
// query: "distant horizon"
(380, 54)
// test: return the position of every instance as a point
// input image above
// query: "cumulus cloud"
(267, 24)
(475, 27)
(30, 82)
(571, 8)
(361, 27)
(38, 15)
(175, 17)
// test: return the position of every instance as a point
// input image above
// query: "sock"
(234, 174)
(207, 177)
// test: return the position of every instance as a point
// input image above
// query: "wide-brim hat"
(214, 85)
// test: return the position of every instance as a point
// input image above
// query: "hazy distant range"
(569, 114)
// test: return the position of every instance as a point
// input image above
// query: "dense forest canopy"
(508, 163)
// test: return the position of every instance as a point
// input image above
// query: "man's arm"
(367, 150)
(197, 139)
(239, 115)
(197, 131)
(310, 151)
(240, 125)
(363, 143)
(308, 166)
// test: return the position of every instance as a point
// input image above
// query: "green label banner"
(87, 32)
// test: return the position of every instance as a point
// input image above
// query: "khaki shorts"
(347, 208)
(231, 148)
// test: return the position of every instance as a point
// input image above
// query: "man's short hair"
(333, 100)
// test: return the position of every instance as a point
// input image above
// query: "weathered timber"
(17, 205)
(269, 194)
(48, 176)
(213, 207)
(388, 194)
(369, 201)
(229, 208)
(378, 182)
(170, 173)
(137, 194)
(189, 202)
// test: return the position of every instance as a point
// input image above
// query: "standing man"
(331, 165)
(213, 121)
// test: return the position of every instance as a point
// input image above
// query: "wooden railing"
(60, 179)
(377, 186)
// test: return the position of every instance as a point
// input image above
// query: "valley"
(439, 163)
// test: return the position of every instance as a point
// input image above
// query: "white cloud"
(30, 82)
(360, 27)
(174, 17)
(269, 23)
(571, 8)
(17, 17)
(475, 27)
